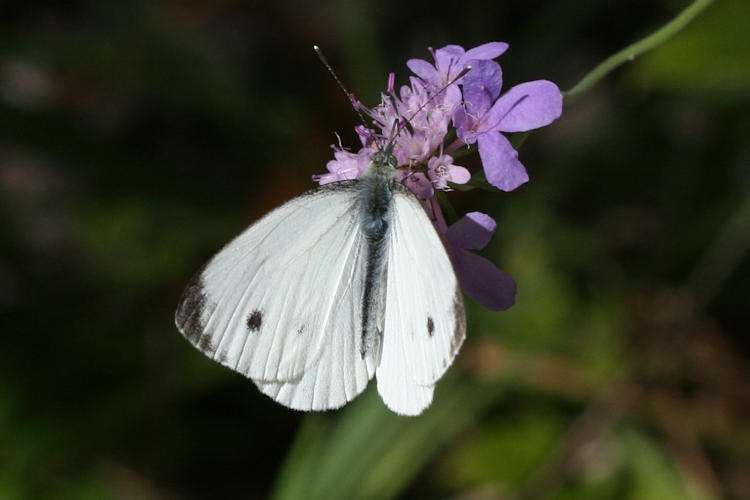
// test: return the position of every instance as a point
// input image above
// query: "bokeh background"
(136, 138)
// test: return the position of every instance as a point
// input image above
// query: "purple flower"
(345, 166)
(479, 278)
(415, 122)
(428, 118)
(484, 116)
(451, 60)
(442, 170)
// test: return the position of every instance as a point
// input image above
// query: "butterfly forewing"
(275, 300)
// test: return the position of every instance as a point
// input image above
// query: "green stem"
(445, 204)
(478, 180)
(634, 50)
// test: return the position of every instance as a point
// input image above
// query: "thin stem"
(629, 53)
(444, 203)
(636, 49)
(518, 139)
(478, 180)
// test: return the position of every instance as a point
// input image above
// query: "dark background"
(136, 138)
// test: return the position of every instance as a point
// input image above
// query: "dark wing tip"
(190, 311)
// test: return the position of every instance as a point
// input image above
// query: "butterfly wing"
(279, 303)
(338, 377)
(425, 323)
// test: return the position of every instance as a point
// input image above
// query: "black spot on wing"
(190, 311)
(301, 329)
(254, 321)
(430, 326)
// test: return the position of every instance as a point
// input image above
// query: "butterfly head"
(384, 157)
(383, 163)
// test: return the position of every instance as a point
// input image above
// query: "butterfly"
(346, 282)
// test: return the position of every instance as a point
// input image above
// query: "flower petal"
(463, 125)
(481, 87)
(526, 106)
(448, 55)
(451, 100)
(500, 162)
(458, 174)
(422, 69)
(326, 178)
(447, 61)
(489, 50)
(472, 231)
(483, 282)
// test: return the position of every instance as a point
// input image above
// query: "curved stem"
(478, 180)
(636, 49)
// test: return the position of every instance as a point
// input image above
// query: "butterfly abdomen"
(375, 201)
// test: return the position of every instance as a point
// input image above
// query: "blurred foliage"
(711, 55)
(138, 137)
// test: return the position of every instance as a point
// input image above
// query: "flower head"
(451, 60)
(441, 171)
(443, 100)
(418, 119)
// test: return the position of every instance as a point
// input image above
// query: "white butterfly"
(345, 282)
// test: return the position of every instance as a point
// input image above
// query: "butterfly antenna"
(352, 100)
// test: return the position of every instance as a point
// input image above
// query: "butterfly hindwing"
(425, 323)
(338, 377)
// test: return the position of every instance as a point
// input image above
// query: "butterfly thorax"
(375, 188)
(375, 199)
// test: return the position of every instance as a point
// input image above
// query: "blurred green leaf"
(653, 474)
(505, 450)
(372, 453)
